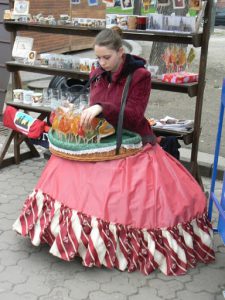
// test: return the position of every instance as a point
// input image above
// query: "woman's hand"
(89, 114)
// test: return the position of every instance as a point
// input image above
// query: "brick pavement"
(28, 272)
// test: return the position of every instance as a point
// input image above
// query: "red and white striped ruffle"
(70, 233)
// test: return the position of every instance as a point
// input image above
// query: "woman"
(141, 212)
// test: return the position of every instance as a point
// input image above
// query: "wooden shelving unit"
(192, 90)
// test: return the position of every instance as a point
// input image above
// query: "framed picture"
(109, 3)
(178, 4)
(75, 1)
(22, 46)
(127, 4)
(92, 2)
(21, 7)
(146, 4)
(163, 2)
(195, 4)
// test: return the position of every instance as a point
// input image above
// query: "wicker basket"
(103, 151)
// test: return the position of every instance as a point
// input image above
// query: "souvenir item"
(126, 4)
(21, 7)
(111, 20)
(18, 95)
(146, 4)
(141, 22)
(122, 21)
(178, 4)
(7, 14)
(195, 4)
(31, 56)
(27, 97)
(180, 77)
(132, 22)
(22, 46)
(163, 2)
(37, 99)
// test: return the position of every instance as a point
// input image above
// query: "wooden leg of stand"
(6, 145)
(196, 173)
(18, 157)
(33, 150)
(16, 149)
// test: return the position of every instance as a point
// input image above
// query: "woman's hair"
(110, 38)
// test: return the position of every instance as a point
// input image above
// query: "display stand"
(191, 89)
(219, 205)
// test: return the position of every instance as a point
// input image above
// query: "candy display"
(176, 59)
(66, 124)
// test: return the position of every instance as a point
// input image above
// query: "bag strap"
(119, 131)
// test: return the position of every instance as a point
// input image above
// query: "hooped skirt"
(142, 212)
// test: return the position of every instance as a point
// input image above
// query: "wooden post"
(137, 7)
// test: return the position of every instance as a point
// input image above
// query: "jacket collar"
(129, 65)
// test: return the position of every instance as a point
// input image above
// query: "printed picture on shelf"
(195, 4)
(127, 4)
(178, 4)
(75, 1)
(23, 121)
(163, 2)
(31, 57)
(109, 3)
(21, 7)
(22, 46)
(146, 4)
(92, 2)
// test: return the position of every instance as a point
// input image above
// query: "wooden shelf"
(13, 66)
(186, 88)
(38, 109)
(186, 136)
(194, 39)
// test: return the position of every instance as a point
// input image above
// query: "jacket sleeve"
(137, 100)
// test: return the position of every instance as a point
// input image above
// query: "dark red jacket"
(106, 90)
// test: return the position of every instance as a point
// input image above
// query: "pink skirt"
(142, 212)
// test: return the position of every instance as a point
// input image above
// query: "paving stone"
(58, 293)
(34, 283)
(166, 289)
(137, 279)
(14, 296)
(10, 258)
(70, 268)
(102, 275)
(8, 207)
(8, 237)
(145, 293)
(5, 224)
(37, 261)
(208, 280)
(79, 289)
(13, 275)
(99, 295)
(5, 287)
(219, 262)
(119, 284)
(187, 295)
